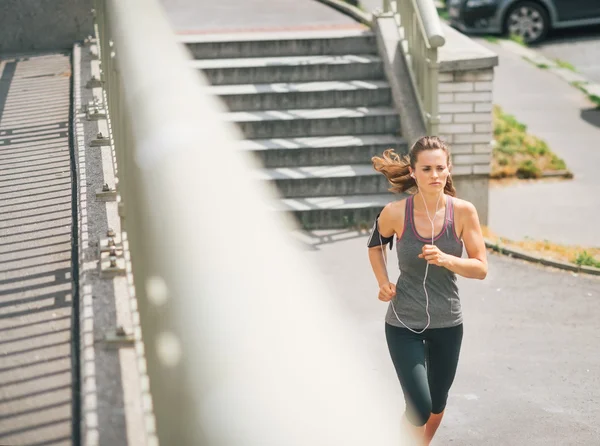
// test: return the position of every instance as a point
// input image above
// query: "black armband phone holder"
(376, 239)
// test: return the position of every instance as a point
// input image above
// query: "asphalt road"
(529, 372)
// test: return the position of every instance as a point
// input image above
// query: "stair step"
(319, 151)
(316, 122)
(253, 97)
(280, 43)
(336, 212)
(357, 201)
(291, 69)
(313, 181)
(317, 172)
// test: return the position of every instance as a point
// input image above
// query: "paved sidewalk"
(35, 251)
(222, 16)
(580, 47)
(559, 211)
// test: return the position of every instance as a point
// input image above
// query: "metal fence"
(244, 345)
(420, 27)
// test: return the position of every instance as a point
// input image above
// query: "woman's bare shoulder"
(396, 209)
(463, 206)
(393, 215)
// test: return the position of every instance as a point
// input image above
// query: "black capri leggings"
(426, 365)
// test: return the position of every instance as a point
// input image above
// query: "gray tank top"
(409, 302)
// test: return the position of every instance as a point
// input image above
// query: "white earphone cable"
(426, 267)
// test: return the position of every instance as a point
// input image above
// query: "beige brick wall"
(465, 107)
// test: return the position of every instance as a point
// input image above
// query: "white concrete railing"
(421, 30)
(244, 345)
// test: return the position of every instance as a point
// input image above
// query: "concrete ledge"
(352, 11)
(460, 53)
(261, 36)
(519, 254)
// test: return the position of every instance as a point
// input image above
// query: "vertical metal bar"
(418, 20)
(434, 67)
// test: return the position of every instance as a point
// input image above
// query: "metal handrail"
(421, 30)
(243, 343)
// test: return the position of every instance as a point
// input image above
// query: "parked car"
(530, 19)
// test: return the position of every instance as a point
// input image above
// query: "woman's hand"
(434, 256)
(387, 291)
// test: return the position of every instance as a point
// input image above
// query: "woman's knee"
(436, 410)
(418, 414)
(438, 402)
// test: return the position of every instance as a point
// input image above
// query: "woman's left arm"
(475, 267)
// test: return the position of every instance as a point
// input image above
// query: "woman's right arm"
(378, 255)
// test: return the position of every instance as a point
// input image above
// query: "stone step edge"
(273, 36)
(329, 142)
(317, 172)
(284, 61)
(292, 87)
(348, 202)
(311, 114)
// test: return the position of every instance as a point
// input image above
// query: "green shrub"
(557, 163)
(528, 169)
(586, 259)
(503, 161)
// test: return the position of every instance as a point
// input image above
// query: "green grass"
(586, 259)
(595, 99)
(492, 39)
(517, 39)
(592, 97)
(578, 255)
(519, 154)
(443, 13)
(543, 66)
(567, 65)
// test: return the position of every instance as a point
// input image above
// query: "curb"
(577, 80)
(518, 254)
(358, 15)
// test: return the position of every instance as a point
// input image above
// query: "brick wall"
(465, 107)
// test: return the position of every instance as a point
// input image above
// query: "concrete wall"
(465, 106)
(38, 25)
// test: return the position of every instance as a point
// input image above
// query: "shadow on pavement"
(591, 116)
(572, 35)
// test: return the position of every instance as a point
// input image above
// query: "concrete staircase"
(314, 107)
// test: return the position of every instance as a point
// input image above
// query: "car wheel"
(527, 20)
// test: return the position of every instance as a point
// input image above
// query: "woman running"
(423, 325)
